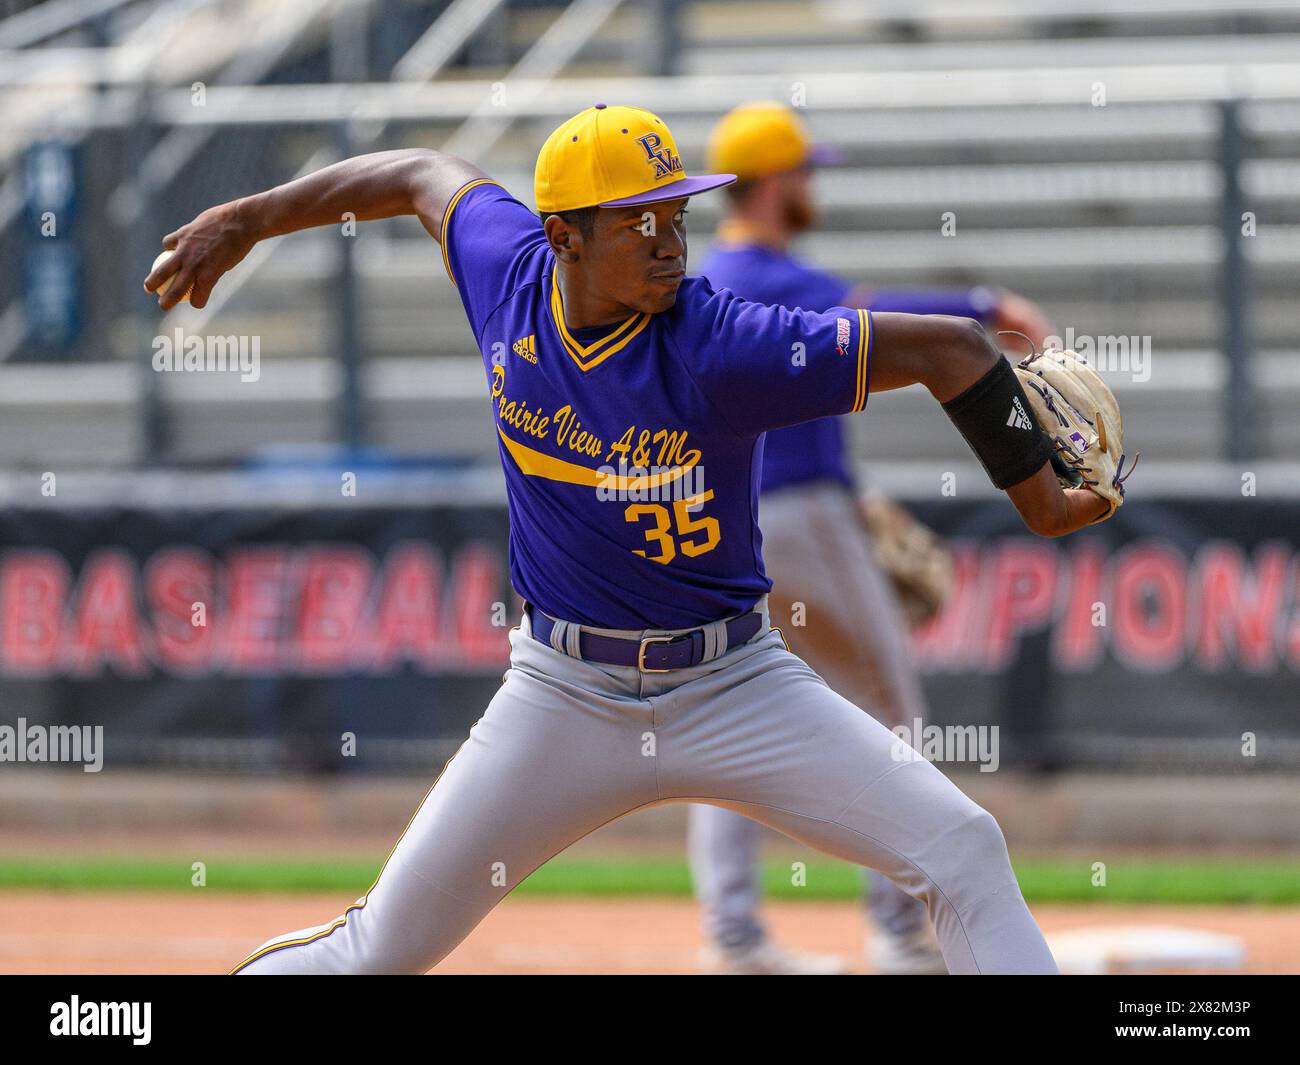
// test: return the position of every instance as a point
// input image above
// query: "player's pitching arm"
(962, 368)
(383, 185)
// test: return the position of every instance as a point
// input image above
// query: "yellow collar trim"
(591, 355)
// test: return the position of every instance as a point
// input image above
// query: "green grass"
(1128, 880)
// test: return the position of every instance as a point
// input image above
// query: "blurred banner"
(350, 636)
(1169, 634)
(252, 639)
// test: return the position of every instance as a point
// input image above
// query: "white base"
(1143, 948)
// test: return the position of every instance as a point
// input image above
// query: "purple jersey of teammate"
(582, 414)
(817, 450)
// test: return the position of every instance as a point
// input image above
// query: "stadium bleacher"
(1108, 215)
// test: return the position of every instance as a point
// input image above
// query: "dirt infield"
(110, 932)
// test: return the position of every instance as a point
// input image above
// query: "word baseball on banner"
(225, 634)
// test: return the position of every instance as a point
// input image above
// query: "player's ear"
(565, 240)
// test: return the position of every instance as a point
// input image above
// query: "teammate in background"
(815, 546)
(644, 669)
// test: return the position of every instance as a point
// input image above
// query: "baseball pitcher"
(630, 428)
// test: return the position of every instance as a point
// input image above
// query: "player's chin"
(661, 294)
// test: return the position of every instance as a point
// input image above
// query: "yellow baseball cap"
(614, 157)
(761, 138)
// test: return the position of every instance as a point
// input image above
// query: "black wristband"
(993, 415)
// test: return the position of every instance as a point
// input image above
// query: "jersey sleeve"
(764, 366)
(486, 235)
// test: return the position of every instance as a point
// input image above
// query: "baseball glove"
(1079, 414)
(916, 561)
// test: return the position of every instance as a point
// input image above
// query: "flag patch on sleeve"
(841, 336)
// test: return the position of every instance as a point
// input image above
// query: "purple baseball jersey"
(632, 451)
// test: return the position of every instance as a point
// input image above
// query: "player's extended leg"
(558, 753)
(768, 738)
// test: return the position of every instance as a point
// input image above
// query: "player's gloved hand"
(216, 241)
(1079, 413)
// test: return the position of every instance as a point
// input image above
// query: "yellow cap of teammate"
(614, 157)
(766, 137)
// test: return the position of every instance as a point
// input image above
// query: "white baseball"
(162, 289)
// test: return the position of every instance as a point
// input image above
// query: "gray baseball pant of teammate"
(568, 745)
(818, 554)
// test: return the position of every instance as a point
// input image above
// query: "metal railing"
(351, 111)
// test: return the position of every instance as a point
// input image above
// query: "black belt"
(652, 654)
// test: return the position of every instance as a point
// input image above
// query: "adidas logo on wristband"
(1018, 419)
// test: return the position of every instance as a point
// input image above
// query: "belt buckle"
(640, 658)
